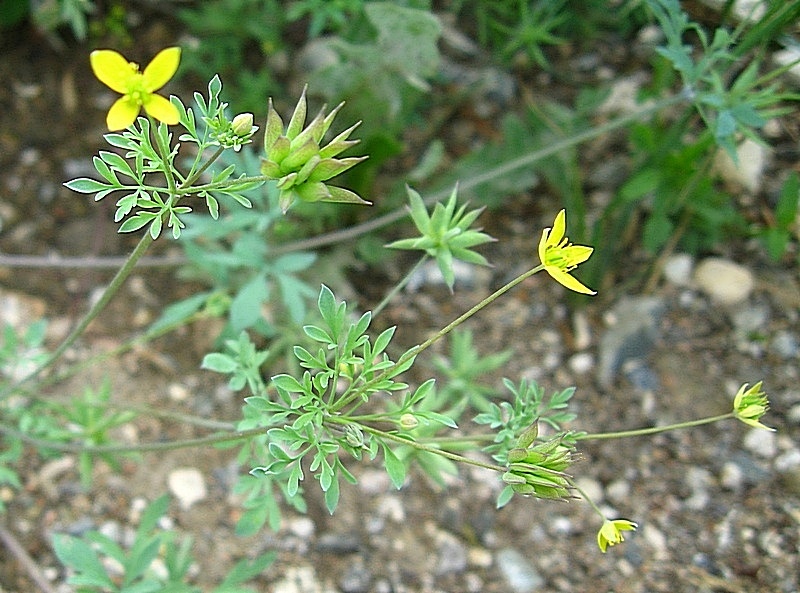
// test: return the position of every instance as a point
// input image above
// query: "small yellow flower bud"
(749, 405)
(242, 124)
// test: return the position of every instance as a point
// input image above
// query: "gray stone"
(451, 557)
(631, 335)
(519, 573)
(784, 344)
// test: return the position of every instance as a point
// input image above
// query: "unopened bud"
(242, 124)
(408, 421)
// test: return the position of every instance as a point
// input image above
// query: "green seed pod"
(526, 439)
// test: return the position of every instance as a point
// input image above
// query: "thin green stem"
(399, 286)
(192, 178)
(653, 429)
(464, 316)
(416, 350)
(429, 449)
(587, 499)
(115, 284)
(143, 448)
(119, 278)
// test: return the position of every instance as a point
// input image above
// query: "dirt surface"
(718, 507)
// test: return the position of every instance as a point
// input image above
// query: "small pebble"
(678, 269)
(761, 442)
(784, 344)
(655, 538)
(519, 573)
(451, 556)
(357, 578)
(592, 488)
(302, 527)
(479, 558)
(731, 477)
(581, 363)
(618, 491)
(748, 173)
(188, 485)
(726, 282)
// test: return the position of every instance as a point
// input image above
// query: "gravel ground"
(718, 506)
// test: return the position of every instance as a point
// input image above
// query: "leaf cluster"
(149, 152)
(731, 100)
(529, 406)
(445, 234)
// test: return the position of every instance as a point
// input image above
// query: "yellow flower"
(560, 257)
(611, 532)
(750, 405)
(137, 88)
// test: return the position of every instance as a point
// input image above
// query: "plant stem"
(119, 278)
(399, 286)
(416, 350)
(422, 447)
(190, 180)
(587, 499)
(215, 439)
(464, 316)
(652, 430)
(121, 275)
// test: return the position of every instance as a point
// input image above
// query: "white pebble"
(678, 269)
(731, 477)
(761, 442)
(581, 363)
(748, 173)
(618, 491)
(187, 485)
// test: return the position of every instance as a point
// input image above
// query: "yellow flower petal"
(162, 67)
(112, 69)
(570, 282)
(122, 114)
(559, 228)
(161, 109)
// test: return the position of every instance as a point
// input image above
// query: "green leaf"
(246, 569)
(140, 558)
(79, 556)
(107, 173)
(117, 163)
(155, 227)
(219, 363)
(180, 311)
(394, 467)
(245, 308)
(382, 341)
(136, 222)
(318, 334)
(288, 383)
(332, 495)
(84, 185)
(786, 208)
(213, 206)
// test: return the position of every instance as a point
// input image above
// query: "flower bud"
(408, 421)
(242, 124)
